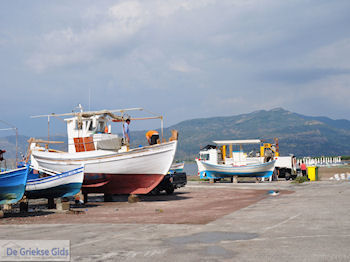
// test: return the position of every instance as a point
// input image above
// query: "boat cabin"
(91, 133)
(210, 154)
(224, 154)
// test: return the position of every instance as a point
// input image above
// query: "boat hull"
(61, 185)
(12, 185)
(212, 171)
(121, 183)
(137, 171)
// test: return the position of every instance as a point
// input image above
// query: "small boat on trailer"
(111, 167)
(215, 163)
(12, 185)
(53, 184)
(177, 167)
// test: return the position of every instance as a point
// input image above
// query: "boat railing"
(45, 170)
(35, 141)
(39, 141)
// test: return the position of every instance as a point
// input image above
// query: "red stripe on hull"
(120, 183)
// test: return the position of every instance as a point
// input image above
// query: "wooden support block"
(133, 199)
(62, 205)
(235, 179)
(51, 203)
(86, 198)
(23, 206)
(108, 197)
(1, 214)
(7, 207)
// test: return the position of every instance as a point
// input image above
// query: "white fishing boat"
(215, 163)
(53, 184)
(111, 167)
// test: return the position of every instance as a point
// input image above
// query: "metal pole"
(16, 147)
(48, 131)
(15, 128)
(89, 98)
(161, 127)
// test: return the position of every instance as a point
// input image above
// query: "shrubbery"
(301, 179)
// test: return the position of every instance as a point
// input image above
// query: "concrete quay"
(305, 222)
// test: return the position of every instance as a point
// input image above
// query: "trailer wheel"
(170, 189)
(155, 192)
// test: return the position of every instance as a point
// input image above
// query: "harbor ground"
(204, 222)
(324, 173)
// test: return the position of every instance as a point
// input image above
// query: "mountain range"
(298, 134)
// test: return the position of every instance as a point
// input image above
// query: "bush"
(301, 179)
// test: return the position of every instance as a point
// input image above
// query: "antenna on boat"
(16, 129)
(89, 98)
(80, 107)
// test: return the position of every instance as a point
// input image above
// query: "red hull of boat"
(120, 183)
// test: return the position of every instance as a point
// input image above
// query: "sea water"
(191, 169)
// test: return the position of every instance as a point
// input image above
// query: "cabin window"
(101, 127)
(89, 125)
(204, 156)
(78, 125)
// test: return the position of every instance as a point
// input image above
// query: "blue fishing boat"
(12, 185)
(54, 185)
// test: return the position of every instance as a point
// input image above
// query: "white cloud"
(120, 24)
(242, 54)
(183, 67)
(335, 89)
(129, 15)
(331, 55)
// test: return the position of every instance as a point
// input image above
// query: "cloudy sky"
(181, 58)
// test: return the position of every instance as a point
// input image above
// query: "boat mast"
(48, 131)
(161, 126)
(16, 130)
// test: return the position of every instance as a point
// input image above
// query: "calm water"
(191, 169)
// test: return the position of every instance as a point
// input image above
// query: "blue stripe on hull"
(55, 192)
(216, 175)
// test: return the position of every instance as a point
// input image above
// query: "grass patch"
(300, 179)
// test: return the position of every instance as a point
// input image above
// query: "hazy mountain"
(298, 134)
